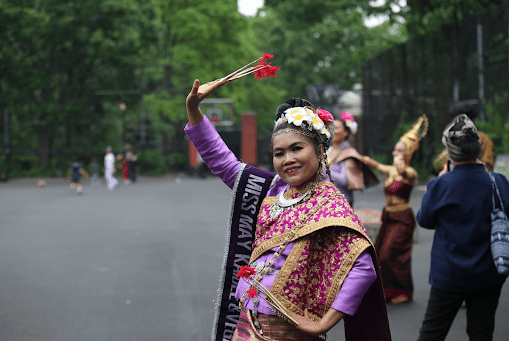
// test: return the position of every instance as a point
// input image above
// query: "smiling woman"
(305, 260)
(295, 158)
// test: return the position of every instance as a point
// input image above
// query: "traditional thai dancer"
(346, 167)
(298, 258)
(395, 238)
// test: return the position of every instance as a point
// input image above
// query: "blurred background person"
(131, 165)
(109, 168)
(395, 239)
(346, 167)
(487, 155)
(95, 172)
(124, 159)
(75, 170)
(457, 205)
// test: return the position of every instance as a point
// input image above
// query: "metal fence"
(467, 62)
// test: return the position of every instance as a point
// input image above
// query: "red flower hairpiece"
(262, 71)
(349, 121)
(324, 115)
(345, 115)
(245, 272)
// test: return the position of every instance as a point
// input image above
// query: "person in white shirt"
(109, 168)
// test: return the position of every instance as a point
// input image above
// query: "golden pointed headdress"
(412, 138)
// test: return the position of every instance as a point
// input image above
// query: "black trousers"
(444, 305)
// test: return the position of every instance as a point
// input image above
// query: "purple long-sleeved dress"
(338, 173)
(223, 163)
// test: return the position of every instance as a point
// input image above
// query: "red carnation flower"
(252, 293)
(271, 71)
(266, 56)
(260, 70)
(265, 70)
(245, 272)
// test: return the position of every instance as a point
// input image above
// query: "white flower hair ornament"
(320, 121)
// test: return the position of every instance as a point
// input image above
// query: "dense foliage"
(55, 55)
(66, 67)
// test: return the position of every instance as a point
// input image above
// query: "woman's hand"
(194, 98)
(308, 326)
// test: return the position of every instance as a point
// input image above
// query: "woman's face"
(399, 151)
(294, 158)
(340, 132)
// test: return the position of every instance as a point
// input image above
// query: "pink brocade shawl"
(330, 237)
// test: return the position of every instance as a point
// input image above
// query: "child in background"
(74, 173)
(95, 171)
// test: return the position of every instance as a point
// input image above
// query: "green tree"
(56, 54)
(497, 125)
(422, 17)
(207, 39)
(322, 41)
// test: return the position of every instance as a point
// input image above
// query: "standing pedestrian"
(125, 158)
(457, 205)
(75, 170)
(132, 165)
(95, 171)
(487, 154)
(109, 168)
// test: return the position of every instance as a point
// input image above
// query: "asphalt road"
(142, 262)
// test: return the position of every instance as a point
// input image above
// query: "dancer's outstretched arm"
(194, 99)
(216, 154)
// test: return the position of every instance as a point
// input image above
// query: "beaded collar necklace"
(282, 204)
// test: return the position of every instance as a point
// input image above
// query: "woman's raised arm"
(214, 152)
(194, 98)
(373, 164)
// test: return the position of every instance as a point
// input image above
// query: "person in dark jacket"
(457, 205)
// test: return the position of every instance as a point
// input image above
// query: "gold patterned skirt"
(273, 327)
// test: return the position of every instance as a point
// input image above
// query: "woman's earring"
(319, 173)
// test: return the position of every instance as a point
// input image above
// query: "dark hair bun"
(291, 103)
(470, 132)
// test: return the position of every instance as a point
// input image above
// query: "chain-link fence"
(464, 63)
